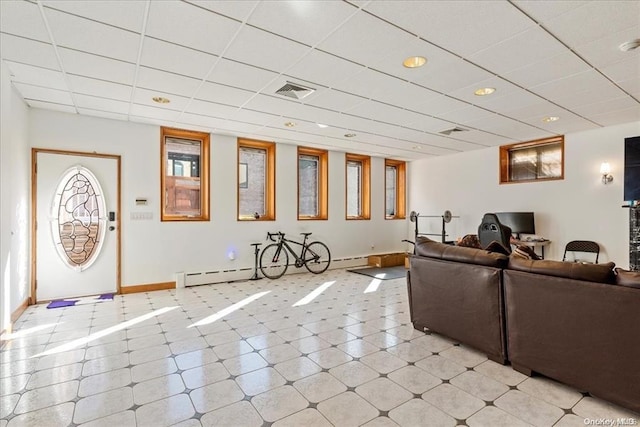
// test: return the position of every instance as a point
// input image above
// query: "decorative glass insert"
(78, 222)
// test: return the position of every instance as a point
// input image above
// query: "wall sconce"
(605, 170)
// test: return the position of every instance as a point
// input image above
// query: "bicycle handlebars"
(270, 235)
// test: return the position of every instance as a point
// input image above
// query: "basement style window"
(256, 180)
(312, 183)
(185, 175)
(395, 189)
(540, 160)
(358, 186)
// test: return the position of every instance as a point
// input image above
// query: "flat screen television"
(519, 222)
(632, 169)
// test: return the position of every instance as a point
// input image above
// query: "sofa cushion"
(470, 241)
(601, 273)
(432, 249)
(628, 278)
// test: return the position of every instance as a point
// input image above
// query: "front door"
(77, 236)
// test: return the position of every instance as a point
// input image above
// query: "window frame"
(204, 139)
(365, 186)
(270, 178)
(401, 189)
(505, 151)
(323, 182)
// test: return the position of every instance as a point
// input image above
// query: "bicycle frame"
(284, 242)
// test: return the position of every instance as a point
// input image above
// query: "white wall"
(14, 200)
(579, 207)
(153, 252)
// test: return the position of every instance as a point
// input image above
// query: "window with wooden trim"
(256, 180)
(184, 175)
(540, 160)
(395, 189)
(358, 193)
(312, 183)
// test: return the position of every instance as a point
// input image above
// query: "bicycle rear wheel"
(274, 261)
(317, 257)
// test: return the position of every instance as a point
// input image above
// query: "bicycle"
(274, 260)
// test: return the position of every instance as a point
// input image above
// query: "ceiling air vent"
(294, 90)
(453, 130)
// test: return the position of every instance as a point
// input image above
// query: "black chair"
(581, 246)
(491, 229)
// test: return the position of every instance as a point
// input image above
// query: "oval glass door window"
(78, 223)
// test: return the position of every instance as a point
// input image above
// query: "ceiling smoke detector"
(295, 91)
(453, 130)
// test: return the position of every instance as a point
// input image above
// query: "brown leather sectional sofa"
(572, 322)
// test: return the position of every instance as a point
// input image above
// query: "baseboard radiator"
(241, 274)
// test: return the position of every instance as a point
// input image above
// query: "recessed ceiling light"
(483, 91)
(349, 135)
(630, 45)
(414, 61)
(320, 125)
(550, 119)
(161, 100)
(289, 124)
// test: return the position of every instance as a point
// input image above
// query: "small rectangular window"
(256, 180)
(358, 186)
(312, 183)
(185, 175)
(395, 189)
(539, 160)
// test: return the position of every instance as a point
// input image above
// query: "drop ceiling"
(220, 63)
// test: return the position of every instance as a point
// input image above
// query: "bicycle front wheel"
(274, 261)
(317, 257)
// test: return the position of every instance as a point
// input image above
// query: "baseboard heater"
(241, 274)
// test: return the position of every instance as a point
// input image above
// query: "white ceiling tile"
(503, 88)
(323, 68)
(307, 21)
(240, 75)
(368, 83)
(210, 109)
(449, 143)
(430, 124)
(462, 116)
(145, 97)
(624, 70)
(161, 114)
(233, 126)
(406, 95)
(191, 26)
(176, 59)
(38, 93)
(103, 114)
(273, 104)
(238, 10)
(97, 38)
(23, 18)
(568, 124)
(609, 105)
(515, 100)
(253, 117)
(593, 20)
(450, 74)
(200, 120)
(364, 47)
(214, 92)
(553, 68)
(589, 80)
(26, 51)
(102, 104)
(616, 117)
(378, 111)
(631, 86)
(440, 105)
(99, 88)
(335, 100)
(51, 106)
(463, 27)
(482, 138)
(152, 79)
(605, 50)
(150, 120)
(507, 128)
(37, 76)
(536, 112)
(542, 11)
(84, 64)
(266, 50)
(529, 47)
(120, 13)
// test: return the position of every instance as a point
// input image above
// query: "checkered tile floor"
(347, 357)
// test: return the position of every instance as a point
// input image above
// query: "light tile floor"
(346, 358)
